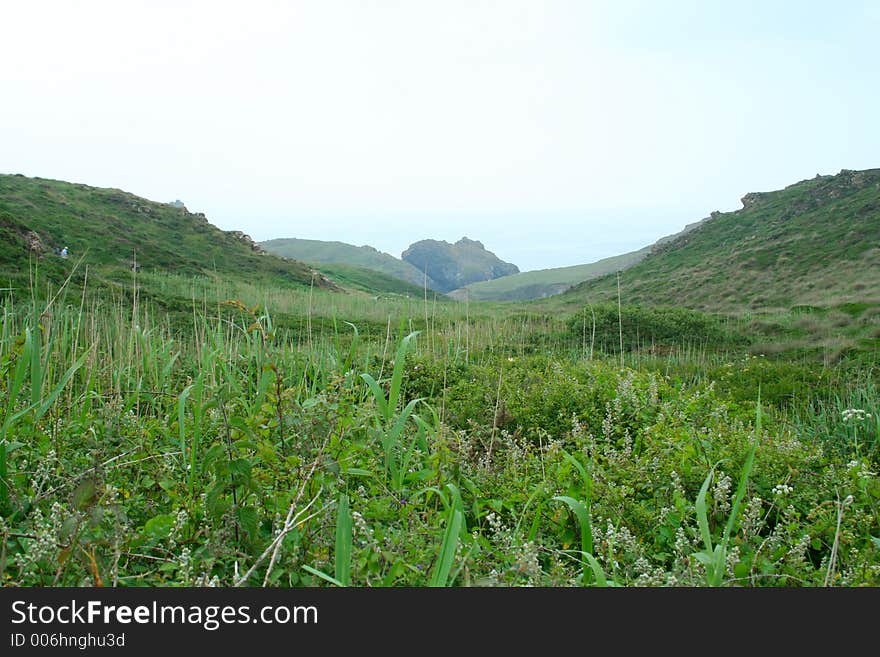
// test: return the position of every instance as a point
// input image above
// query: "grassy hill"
(319, 252)
(109, 228)
(815, 243)
(545, 282)
(373, 281)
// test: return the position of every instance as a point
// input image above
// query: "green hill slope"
(373, 281)
(816, 242)
(109, 227)
(319, 252)
(545, 282)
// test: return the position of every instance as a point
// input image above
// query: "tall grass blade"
(342, 556)
(324, 576)
(440, 575)
(582, 514)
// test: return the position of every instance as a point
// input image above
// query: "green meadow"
(165, 429)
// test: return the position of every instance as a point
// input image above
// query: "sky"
(555, 132)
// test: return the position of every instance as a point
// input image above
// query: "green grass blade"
(583, 516)
(324, 576)
(397, 374)
(59, 388)
(596, 567)
(21, 371)
(34, 344)
(342, 556)
(702, 512)
(378, 395)
(447, 549)
(181, 419)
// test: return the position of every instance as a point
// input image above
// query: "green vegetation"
(373, 282)
(643, 328)
(263, 439)
(812, 243)
(175, 428)
(107, 230)
(339, 254)
(545, 282)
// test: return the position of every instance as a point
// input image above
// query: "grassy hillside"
(372, 281)
(546, 282)
(321, 252)
(815, 243)
(109, 228)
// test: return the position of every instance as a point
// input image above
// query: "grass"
(191, 430)
(349, 261)
(715, 558)
(183, 424)
(547, 282)
(111, 229)
(374, 282)
(812, 243)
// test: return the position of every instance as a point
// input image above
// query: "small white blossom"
(857, 414)
(782, 489)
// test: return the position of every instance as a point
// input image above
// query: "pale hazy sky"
(555, 132)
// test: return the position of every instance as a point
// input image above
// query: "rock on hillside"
(452, 266)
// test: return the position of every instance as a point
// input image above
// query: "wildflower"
(782, 489)
(857, 414)
(860, 469)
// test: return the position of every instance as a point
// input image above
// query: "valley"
(219, 415)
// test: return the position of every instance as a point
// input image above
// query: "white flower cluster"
(857, 414)
(364, 533)
(752, 521)
(797, 554)
(44, 547)
(527, 563)
(204, 580)
(860, 469)
(721, 493)
(176, 532)
(782, 489)
(185, 564)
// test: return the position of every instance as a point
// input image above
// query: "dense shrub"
(647, 327)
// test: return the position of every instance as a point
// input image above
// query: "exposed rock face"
(34, 243)
(21, 236)
(452, 266)
(247, 239)
(751, 199)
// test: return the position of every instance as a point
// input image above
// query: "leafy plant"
(714, 558)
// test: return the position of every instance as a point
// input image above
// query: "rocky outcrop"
(247, 239)
(751, 199)
(452, 266)
(21, 236)
(34, 243)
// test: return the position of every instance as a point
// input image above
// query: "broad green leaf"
(443, 565)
